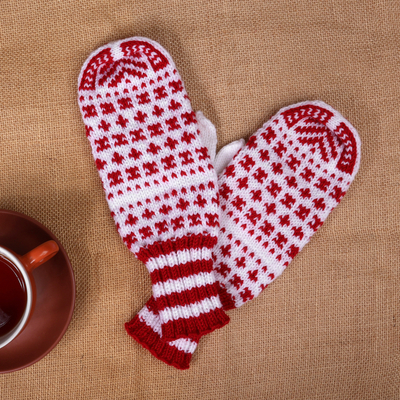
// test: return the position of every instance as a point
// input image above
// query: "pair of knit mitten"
(209, 243)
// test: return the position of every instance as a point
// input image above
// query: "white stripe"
(190, 310)
(153, 321)
(183, 182)
(185, 345)
(184, 283)
(178, 258)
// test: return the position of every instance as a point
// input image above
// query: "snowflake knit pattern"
(160, 185)
(274, 195)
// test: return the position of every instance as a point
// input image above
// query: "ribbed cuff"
(177, 354)
(184, 286)
(192, 327)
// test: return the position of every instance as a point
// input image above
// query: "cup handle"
(39, 255)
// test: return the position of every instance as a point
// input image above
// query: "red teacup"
(17, 288)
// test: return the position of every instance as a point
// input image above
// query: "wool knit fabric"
(275, 194)
(159, 182)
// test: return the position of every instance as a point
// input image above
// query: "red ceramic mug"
(17, 287)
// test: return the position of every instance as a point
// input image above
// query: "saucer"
(55, 285)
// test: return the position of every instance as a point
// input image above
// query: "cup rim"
(6, 339)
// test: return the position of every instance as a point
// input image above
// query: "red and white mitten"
(160, 185)
(274, 195)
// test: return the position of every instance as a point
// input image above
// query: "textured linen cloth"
(329, 328)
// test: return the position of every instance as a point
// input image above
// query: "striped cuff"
(145, 328)
(184, 286)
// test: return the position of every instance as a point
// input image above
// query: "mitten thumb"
(226, 154)
(208, 136)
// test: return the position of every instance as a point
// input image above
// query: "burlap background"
(329, 328)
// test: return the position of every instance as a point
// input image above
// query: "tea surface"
(12, 296)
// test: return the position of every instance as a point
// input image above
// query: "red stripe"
(160, 349)
(181, 270)
(100, 61)
(194, 326)
(344, 164)
(173, 246)
(187, 297)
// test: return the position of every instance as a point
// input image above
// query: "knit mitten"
(274, 195)
(159, 183)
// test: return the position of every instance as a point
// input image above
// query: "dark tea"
(12, 296)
